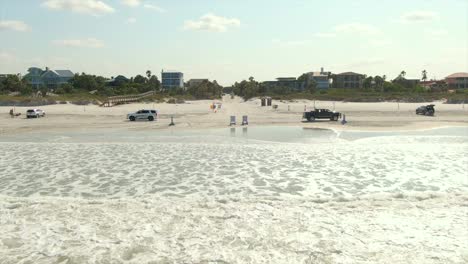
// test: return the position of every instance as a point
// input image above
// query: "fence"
(123, 99)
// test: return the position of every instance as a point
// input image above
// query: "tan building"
(350, 80)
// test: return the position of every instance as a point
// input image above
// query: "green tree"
(154, 83)
(303, 78)
(148, 74)
(67, 88)
(140, 79)
(312, 87)
(206, 90)
(367, 84)
(84, 82)
(26, 90)
(379, 82)
(43, 89)
(402, 74)
(424, 76)
(12, 83)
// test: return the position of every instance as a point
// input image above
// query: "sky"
(231, 40)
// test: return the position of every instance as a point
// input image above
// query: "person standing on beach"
(12, 114)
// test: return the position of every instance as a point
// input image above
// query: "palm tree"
(424, 75)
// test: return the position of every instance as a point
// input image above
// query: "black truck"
(427, 110)
(321, 114)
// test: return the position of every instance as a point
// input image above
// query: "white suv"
(35, 113)
(149, 115)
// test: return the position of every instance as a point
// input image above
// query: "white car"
(149, 115)
(35, 113)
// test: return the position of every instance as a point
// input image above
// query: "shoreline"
(197, 115)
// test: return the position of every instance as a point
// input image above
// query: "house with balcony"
(49, 78)
(290, 83)
(348, 80)
(457, 80)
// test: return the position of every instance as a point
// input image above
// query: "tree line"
(370, 84)
(211, 90)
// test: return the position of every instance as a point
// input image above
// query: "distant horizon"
(230, 41)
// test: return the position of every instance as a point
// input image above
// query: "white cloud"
(132, 3)
(131, 20)
(82, 43)
(90, 7)
(154, 7)
(418, 16)
(325, 35)
(15, 25)
(356, 28)
(211, 22)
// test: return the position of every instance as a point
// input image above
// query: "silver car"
(35, 113)
(149, 115)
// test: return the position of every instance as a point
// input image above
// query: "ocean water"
(242, 195)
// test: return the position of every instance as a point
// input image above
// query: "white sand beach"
(197, 114)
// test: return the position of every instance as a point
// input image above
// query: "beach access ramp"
(124, 99)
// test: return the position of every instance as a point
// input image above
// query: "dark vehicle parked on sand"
(321, 114)
(427, 110)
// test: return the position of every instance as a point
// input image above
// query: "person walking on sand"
(12, 114)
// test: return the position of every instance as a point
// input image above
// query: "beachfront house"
(195, 82)
(406, 82)
(288, 83)
(457, 80)
(49, 78)
(348, 80)
(117, 81)
(321, 79)
(172, 79)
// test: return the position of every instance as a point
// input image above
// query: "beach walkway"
(124, 99)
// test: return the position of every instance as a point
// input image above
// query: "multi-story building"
(321, 78)
(346, 80)
(457, 80)
(50, 78)
(172, 79)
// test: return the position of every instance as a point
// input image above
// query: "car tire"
(132, 118)
(311, 119)
(150, 118)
